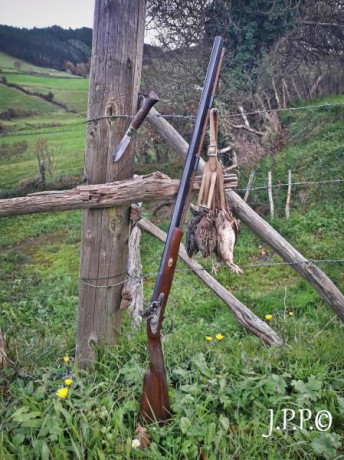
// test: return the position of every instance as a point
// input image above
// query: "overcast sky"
(43, 13)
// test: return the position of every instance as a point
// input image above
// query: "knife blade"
(138, 119)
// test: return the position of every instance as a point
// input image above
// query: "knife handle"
(147, 104)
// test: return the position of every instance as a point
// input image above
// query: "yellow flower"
(135, 443)
(66, 359)
(62, 393)
(68, 382)
(268, 317)
(208, 338)
(219, 336)
(240, 343)
(291, 313)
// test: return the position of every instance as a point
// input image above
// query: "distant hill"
(53, 46)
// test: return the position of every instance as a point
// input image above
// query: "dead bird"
(201, 234)
(227, 229)
(213, 231)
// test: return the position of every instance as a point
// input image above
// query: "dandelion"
(219, 336)
(66, 359)
(268, 317)
(135, 443)
(208, 338)
(62, 393)
(291, 313)
(68, 382)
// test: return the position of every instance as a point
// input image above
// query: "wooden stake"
(3, 360)
(132, 293)
(287, 204)
(116, 61)
(249, 185)
(271, 201)
(276, 93)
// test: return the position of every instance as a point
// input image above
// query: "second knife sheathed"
(138, 119)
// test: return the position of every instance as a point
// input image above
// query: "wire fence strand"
(144, 276)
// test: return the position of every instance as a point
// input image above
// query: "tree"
(17, 65)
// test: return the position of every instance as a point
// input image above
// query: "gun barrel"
(192, 157)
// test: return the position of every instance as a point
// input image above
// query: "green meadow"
(221, 390)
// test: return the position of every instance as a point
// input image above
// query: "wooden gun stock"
(154, 400)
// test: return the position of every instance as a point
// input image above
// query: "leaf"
(275, 384)
(24, 417)
(201, 364)
(309, 390)
(18, 439)
(193, 389)
(224, 422)
(45, 453)
(144, 437)
(326, 445)
(182, 372)
(185, 425)
(340, 404)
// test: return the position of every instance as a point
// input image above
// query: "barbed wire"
(143, 276)
(221, 114)
(258, 187)
(171, 116)
(263, 187)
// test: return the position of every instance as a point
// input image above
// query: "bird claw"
(235, 269)
(214, 268)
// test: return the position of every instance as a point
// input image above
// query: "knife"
(148, 102)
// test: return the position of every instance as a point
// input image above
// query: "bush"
(13, 150)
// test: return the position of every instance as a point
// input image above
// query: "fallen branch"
(152, 187)
(248, 128)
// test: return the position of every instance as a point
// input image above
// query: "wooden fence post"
(116, 62)
(271, 201)
(287, 204)
(249, 185)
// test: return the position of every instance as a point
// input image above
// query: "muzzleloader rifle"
(154, 401)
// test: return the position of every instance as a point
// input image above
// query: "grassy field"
(221, 391)
(35, 118)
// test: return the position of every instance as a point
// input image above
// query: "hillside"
(52, 46)
(221, 390)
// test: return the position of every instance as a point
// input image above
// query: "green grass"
(11, 97)
(7, 65)
(72, 91)
(221, 391)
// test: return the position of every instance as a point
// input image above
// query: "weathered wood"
(132, 293)
(171, 136)
(245, 316)
(287, 204)
(271, 201)
(276, 93)
(3, 356)
(316, 277)
(243, 116)
(249, 185)
(117, 49)
(152, 187)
